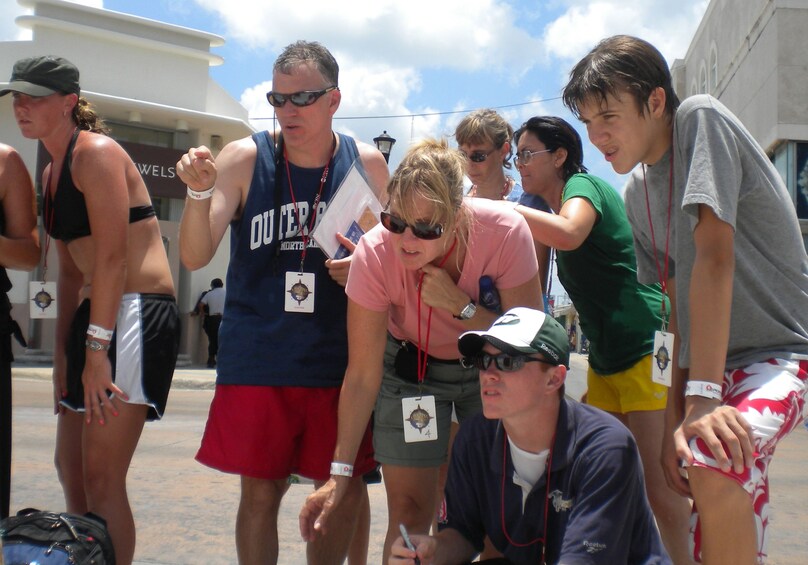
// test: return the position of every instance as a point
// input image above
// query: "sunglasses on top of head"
(300, 99)
(504, 362)
(478, 156)
(420, 230)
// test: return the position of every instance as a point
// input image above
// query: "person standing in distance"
(283, 346)
(214, 300)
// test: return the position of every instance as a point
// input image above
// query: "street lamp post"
(384, 143)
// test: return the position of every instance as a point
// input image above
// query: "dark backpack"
(48, 538)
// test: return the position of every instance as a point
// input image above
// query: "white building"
(150, 82)
(751, 55)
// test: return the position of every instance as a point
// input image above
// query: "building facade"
(751, 55)
(150, 81)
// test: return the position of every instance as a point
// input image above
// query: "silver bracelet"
(201, 194)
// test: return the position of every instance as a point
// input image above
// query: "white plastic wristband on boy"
(98, 332)
(703, 388)
(341, 469)
(201, 194)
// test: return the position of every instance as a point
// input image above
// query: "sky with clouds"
(416, 68)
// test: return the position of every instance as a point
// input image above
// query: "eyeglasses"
(504, 362)
(419, 229)
(478, 156)
(524, 156)
(302, 98)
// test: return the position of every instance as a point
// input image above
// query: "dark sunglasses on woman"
(419, 229)
(300, 99)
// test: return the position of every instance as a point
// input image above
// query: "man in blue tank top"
(283, 344)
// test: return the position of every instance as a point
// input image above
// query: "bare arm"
(710, 304)
(99, 170)
(204, 222)
(19, 245)
(566, 230)
(367, 336)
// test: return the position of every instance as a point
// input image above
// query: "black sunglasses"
(478, 156)
(504, 362)
(419, 229)
(302, 98)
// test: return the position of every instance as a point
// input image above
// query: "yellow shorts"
(631, 390)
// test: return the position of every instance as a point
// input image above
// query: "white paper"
(420, 419)
(662, 363)
(352, 211)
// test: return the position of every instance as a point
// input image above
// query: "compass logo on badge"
(663, 357)
(42, 299)
(299, 291)
(419, 418)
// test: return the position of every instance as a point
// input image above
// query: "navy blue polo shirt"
(597, 510)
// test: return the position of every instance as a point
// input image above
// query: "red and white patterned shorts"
(771, 397)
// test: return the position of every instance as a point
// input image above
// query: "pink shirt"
(499, 245)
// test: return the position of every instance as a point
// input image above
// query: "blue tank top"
(260, 343)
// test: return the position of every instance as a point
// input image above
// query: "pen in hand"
(408, 541)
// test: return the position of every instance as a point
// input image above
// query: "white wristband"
(99, 333)
(341, 469)
(703, 388)
(201, 194)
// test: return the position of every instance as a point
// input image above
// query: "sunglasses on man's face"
(420, 230)
(504, 362)
(302, 98)
(478, 156)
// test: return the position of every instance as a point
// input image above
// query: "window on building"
(713, 68)
(703, 79)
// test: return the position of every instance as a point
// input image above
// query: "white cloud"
(460, 34)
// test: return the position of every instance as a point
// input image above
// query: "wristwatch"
(94, 345)
(468, 311)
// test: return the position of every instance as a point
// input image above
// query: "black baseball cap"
(42, 76)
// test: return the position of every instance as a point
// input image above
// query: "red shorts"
(270, 432)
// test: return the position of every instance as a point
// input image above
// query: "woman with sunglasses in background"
(117, 326)
(413, 289)
(598, 268)
(484, 137)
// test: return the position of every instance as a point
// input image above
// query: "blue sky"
(427, 61)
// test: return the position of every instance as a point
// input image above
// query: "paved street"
(186, 512)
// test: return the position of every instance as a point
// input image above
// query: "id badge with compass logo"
(662, 364)
(299, 291)
(420, 419)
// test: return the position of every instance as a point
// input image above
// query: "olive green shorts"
(453, 388)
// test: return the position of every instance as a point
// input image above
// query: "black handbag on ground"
(50, 538)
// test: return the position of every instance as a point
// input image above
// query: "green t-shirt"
(618, 314)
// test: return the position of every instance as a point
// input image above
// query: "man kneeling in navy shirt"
(547, 479)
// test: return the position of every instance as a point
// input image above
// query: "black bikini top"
(65, 215)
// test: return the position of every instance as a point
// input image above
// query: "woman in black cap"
(117, 330)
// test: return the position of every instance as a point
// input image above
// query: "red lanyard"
(542, 539)
(663, 275)
(423, 354)
(303, 231)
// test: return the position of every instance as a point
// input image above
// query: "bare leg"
(728, 531)
(411, 494)
(672, 511)
(257, 521)
(108, 451)
(358, 550)
(332, 548)
(68, 460)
